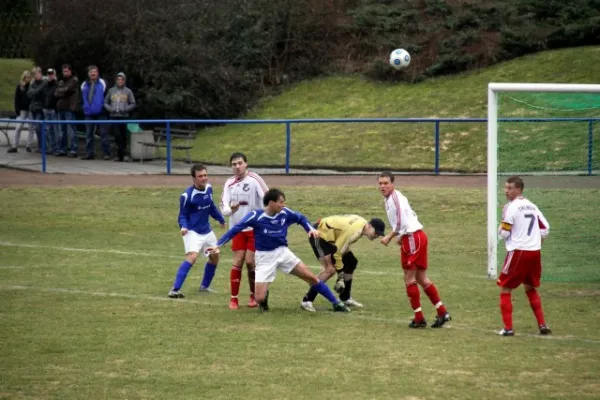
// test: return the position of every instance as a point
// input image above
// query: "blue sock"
(182, 272)
(324, 291)
(209, 273)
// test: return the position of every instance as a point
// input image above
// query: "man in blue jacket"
(92, 93)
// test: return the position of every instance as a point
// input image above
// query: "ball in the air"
(399, 58)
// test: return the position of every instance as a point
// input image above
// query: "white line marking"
(395, 321)
(11, 266)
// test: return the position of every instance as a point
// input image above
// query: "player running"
(523, 229)
(272, 253)
(243, 192)
(195, 206)
(413, 252)
(332, 249)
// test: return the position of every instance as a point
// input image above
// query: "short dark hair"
(67, 66)
(237, 155)
(91, 67)
(387, 174)
(272, 195)
(517, 181)
(197, 167)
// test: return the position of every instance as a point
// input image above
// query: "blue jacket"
(96, 106)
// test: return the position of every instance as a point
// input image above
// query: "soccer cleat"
(339, 286)
(440, 320)
(340, 307)
(234, 304)
(353, 303)
(308, 306)
(418, 324)
(252, 302)
(506, 332)
(544, 330)
(175, 294)
(264, 305)
(206, 290)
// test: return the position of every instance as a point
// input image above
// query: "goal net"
(549, 134)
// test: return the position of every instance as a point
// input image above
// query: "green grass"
(392, 145)
(9, 79)
(96, 323)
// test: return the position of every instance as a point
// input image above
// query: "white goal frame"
(492, 151)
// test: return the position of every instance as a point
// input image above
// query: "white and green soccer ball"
(399, 58)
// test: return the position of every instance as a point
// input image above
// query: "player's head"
(374, 229)
(274, 200)
(513, 187)
(239, 163)
(386, 183)
(199, 175)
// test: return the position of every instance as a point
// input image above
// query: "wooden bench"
(161, 133)
(5, 127)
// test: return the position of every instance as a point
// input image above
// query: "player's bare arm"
(387, 238)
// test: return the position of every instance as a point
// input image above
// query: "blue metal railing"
(288, 130)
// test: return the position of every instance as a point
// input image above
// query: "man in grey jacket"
(119, 102)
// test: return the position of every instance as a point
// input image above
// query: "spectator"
(22, 102)
(52, 130)
(92, 92)
(67, 105)
(120, 102)
(36, 94)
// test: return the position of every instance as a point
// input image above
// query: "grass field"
(9, 79)
(396, 145)
(84, 274)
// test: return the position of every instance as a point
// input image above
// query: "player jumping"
(195, 206)
(413, 252)
(523, 229)
(272, 253)
(332, 249)
(243, 192)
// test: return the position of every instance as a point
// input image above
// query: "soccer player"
(272, 253)
(413, 252)
(523, 229)
(332, 249)
(195, 206)
(243, 192)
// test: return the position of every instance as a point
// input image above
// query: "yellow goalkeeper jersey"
(342, 230)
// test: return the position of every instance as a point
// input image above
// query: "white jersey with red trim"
(401, 216)
(248, 192)
(526, 224)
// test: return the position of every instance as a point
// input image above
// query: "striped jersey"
(401, 216)
(248, 192)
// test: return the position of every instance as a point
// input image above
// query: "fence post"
(288, 145)
(590, 144)
(437, 148)
(168, 126)
(43, 145)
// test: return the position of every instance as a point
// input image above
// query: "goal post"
(586, 109)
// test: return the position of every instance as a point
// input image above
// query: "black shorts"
(322, 248)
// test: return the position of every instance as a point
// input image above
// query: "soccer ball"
(399, 58)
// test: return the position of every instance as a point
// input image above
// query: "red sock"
(434, 296)
(251, 278)
(536, 306)
(506, 309)
(234, 279)
(412, 290)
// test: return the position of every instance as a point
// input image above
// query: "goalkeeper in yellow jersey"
(332, 248)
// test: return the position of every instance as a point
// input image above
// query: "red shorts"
(413, 250)
(243, 241)
(521, 266)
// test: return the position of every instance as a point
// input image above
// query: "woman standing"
(22, 102)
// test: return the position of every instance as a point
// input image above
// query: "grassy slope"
(97, 324)
(9, 78)
(401, 146)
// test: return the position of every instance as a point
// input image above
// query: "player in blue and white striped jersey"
(272, 253)
(195, 207)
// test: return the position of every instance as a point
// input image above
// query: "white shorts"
(196, 242)
(268, 262)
